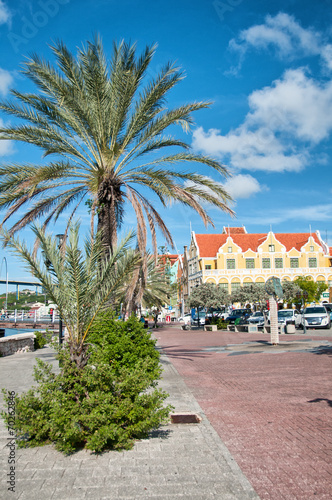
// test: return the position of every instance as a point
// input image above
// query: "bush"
(106, 405)
(222, 325)
(41, 339)
(125, 343)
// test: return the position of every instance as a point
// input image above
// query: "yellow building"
(235, 258)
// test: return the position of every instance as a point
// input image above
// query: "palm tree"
(148, 286)
(102, 125)
(81, 283)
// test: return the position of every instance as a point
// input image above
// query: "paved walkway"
(178, 461)
(271, 406)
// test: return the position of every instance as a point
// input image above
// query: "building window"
(230, 249)
(266, 263)
(294, 262)
(250, 263)
(278, 264)
(271, 248)
(312, 262)
(235, 286)
(312, 249)
(230, 263)
(207, 266)
(224, 286)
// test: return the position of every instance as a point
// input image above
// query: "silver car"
(314, 317)
(288, 316)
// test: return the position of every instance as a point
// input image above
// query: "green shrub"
(41, 339)
(106, 405)
(222, 325)
(125, 343)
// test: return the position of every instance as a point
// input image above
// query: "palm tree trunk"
(108, 225)
(110, 201)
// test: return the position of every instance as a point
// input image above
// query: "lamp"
(4, 259)
(303, 294)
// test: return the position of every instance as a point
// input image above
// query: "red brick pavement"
(273, 411)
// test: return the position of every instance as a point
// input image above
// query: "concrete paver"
(176, 461)
(271, 406)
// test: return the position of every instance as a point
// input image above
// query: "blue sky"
(267, 68)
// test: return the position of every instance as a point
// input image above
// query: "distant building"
(235, 258)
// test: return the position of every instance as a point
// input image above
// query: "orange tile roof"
(172, 258)
(209, 244)
(234, 230)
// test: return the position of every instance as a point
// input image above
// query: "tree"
(103, 129)
(252, 293)
(208, 295)
(148, 287)
(81, 283)
(290, 290)
(313, 289)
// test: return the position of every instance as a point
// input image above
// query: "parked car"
(201, 319)
(238, 314)
(286, 316)
(186, 319)
(328, 307)
(257, 318)
(313, 317)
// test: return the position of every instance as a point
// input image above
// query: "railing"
(22, 315)
(268, 272)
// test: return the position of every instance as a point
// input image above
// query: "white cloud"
(310, 214)
(5, 15)
(6, 81)
(242, 186)
(284, 34)
(286, 120)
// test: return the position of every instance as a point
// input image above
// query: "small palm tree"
(80, 282)
(103, 127)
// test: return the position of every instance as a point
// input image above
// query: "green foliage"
(99, 407)
(290, 289)
(312, 288)
(208, 295)
(80, 282)
(24, 302)
(221, 324)
(125, 343)
(251, 293)
(105, 128)
(41, 339)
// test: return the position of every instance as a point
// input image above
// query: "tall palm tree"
(80, 282)
(102, 125)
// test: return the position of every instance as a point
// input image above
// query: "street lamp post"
(303, 295)
(60, 239)
(4, 259)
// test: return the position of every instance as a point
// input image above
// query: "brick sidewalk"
(271, 409)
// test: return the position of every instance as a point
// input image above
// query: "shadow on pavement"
(318, 400)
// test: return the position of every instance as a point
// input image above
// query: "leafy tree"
(208, 295)
(81, 283)
(290, 289)
(312, 288)
(252, 293)
(102, 126)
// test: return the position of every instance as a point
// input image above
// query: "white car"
(186, 319)
(313, 317)
(288, 316)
